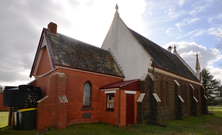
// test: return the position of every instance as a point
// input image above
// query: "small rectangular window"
(110, 102)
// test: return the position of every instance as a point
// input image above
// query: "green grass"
(3, 119)
(202, 125)
(216, 109)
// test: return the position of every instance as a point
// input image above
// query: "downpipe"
(118, 125)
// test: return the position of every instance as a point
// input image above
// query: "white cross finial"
(117, 13)
(116, 8)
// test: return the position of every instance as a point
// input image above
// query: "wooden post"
(12, 120)
(9, 116)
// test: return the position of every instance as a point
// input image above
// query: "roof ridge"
(83, 42)
(77, 40)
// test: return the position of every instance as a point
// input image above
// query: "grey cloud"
(207, 57)
(21, 23)
(11, 75)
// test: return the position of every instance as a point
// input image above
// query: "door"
(129, 109)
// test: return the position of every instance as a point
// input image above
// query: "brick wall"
(204, 108)
(109, 116)
(149, 111)
(74, 93)
(52, 108)
(44, 64)
(167, 111)
(112, 117)
(170, 107)
(123, 107)
(75, 83)
(1, 103)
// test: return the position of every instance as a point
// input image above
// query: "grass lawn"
(3, 119)
(202, 125)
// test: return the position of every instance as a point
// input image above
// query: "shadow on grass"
(204, 125)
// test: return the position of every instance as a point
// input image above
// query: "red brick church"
(130, 79)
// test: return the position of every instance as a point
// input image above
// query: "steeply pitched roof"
(74, 53)
(163, 58)
(69, 52)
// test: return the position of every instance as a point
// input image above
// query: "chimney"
(175, 50)
(169, 48)
(52, 27)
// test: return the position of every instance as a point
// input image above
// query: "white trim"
(203, 87)
(37, 62)
(61, 75)
(109, 89)
(130, 92)
(107, 92)
(89, 72)
(205, 96)
(40, 76)
(156, 97)
(195, 99)
(151, 76)
(63, 99)
(176, 76)
(42, 99)
(181, 99)
(176, 82)
(192, 86)
(141, 96)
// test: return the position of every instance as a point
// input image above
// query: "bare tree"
(219, 37)
(1, 89)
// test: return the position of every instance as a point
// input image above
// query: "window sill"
(110, 110)
(87, 108)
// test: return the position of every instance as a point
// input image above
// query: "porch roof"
(128, 84)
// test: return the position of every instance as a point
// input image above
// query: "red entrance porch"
(119, 102)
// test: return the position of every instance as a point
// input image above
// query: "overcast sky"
(190, 25)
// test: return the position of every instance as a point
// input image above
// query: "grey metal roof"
(163, 58)
(74, 53)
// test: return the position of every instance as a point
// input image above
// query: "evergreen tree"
(212, 87)
(1, 89)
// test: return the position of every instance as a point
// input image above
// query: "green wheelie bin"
(27, 118)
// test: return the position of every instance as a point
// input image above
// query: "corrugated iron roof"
(119, 84)
(164, 59)
(74, 53)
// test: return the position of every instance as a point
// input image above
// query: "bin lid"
(28, 109)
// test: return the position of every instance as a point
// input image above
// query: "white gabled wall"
(129, 54)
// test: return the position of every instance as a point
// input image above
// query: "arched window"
(87, 94)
